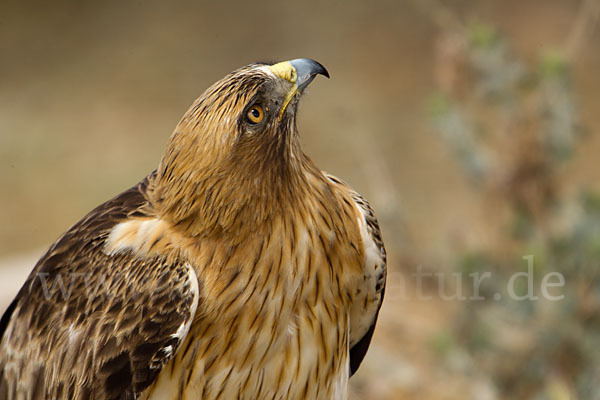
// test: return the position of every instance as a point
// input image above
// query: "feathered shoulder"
(100, 325)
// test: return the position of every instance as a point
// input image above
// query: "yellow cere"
(284, 70)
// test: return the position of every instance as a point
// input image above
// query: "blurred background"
(471, 126)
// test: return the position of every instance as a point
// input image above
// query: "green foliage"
(553, 65)
(443, 342)
(438, 105)
(482, 35)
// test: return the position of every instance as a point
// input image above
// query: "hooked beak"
(301, 73)
(306, 70)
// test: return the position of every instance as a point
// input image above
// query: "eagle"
(236, 270)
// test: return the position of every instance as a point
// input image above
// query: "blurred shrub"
(511, 126)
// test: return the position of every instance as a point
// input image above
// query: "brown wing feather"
(359, 350)
(368, 301)
(91, 325)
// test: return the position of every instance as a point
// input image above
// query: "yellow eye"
(255, 114)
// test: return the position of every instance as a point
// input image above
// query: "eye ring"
(255, 114)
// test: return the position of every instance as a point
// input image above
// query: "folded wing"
(91, 324)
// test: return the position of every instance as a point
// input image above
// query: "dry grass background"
(90, 92)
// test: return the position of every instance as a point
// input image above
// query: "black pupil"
(255, 113)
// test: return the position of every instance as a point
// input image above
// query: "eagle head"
(234, 158)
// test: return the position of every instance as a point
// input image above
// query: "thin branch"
(585, 22)
(443, 17)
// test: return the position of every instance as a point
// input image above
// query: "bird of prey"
(236, 270)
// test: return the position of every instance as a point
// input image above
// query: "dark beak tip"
(321, 69)
(307, 69)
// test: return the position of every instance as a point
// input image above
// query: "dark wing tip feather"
(6, 316)
(359, 350)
